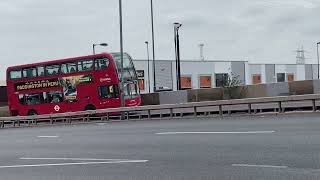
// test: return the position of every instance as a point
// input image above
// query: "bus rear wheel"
(90, 107)
(32, 112)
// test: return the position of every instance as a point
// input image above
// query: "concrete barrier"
(316, 86)
(277, 89)
(255, 91)
(249, 91)
(198, 95)
(150, 99)
(173, 97)
(301, 87)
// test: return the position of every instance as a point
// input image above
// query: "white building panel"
(222, 67)
(300, 72)
(263, 73)
(247, 73)
(280, 68)
(253, 69)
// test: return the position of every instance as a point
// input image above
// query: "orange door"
(256, 79)
(186, 82)
(205, 81)
(290, 77)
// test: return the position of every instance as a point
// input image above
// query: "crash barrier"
(197, 109)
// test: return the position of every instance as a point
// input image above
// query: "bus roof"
(59, 61)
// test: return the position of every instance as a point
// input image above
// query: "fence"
(219, 108)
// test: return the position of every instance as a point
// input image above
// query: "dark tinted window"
(281, 77)
(36, 98)
(221, 79)
(40, 98)
(54, 97)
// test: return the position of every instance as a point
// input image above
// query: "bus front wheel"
(32, 112)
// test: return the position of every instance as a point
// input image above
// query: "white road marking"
(69, 164)
(260, 166)
(47, 136)
(74, 159)
(235, 132)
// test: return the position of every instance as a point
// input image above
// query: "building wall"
(315, 71)
(166, 71)
(301, 72)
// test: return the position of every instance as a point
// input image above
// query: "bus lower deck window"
(108, 91)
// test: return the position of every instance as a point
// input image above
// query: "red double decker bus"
(70, 85)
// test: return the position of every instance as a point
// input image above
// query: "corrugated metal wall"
(270, 73)
(238, 68)
(308, 71)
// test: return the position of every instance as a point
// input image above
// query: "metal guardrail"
(161, 111)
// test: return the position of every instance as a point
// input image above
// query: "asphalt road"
(257, 148)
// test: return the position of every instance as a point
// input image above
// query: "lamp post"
(318, 57)
(121, 59)
(153, 53)
(147, 43)
(177, 52)
(94, 45)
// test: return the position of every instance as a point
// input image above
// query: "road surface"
(268, 147)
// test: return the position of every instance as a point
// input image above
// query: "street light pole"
(177, 51)
(147, 43)
(318, 57)
(153, 53)
(94, 45)
(121, 57)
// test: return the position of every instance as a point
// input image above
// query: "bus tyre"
(90, 107)
(32, 112)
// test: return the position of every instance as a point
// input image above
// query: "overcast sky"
(261, 31)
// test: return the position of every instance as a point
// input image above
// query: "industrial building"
(197, 74)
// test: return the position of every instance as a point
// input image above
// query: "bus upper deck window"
(102, 63)
(40, 70)
(29, 72)
(15, 74)
(85, 65)
(68, 68)
(52, 69)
